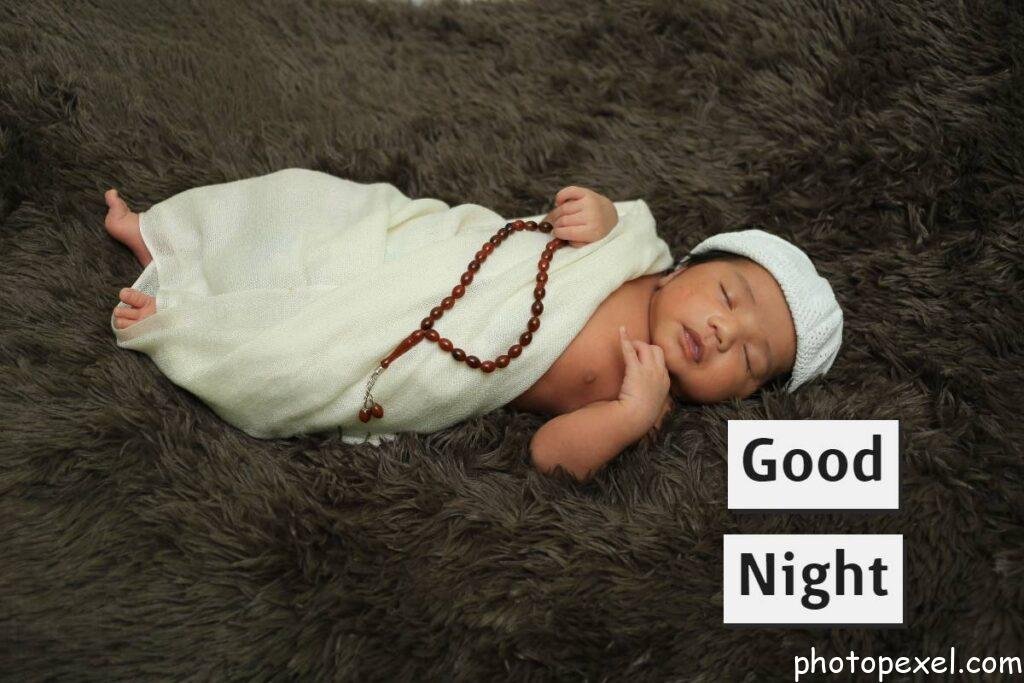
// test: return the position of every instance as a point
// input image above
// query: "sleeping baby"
(743, 310)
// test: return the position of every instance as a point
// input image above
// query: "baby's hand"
(646, 383)
(582, 216)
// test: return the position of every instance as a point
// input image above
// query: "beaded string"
(426, 329)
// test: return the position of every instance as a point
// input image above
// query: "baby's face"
(746, 334)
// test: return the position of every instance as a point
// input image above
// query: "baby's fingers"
(659, 354)
(582, 234)
(638, 348)
(643, 352)
(658, 358)
(627, 349)
(572, 192)
(558, 212)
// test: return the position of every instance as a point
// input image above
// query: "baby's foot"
(123, 225)
(140, 306)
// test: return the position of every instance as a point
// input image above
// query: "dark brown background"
(142, 537)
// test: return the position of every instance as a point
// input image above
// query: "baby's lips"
(687, 342)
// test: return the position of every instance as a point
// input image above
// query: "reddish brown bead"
(364, 415)
(399, 350)
(377, 410)
(426, 330)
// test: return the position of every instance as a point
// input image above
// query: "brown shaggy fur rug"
(141, 537)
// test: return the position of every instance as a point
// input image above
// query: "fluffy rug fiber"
(142, 537)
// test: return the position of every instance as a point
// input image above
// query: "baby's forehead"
(747, 272)
(732, 263)
(749, 268)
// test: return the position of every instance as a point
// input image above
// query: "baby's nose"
(721, 334)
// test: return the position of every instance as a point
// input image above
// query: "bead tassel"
(426, 329)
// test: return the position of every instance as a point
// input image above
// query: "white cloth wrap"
(278, 295)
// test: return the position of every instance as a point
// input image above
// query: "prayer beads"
(426, 329)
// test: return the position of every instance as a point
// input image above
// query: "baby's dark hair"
(711, 255)
(776, 382)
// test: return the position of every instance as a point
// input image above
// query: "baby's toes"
(123, 317)
(117, 206)
(126, 312)
(134, 297)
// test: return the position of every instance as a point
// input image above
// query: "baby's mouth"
(690, 343)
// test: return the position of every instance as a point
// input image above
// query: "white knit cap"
(816, 313)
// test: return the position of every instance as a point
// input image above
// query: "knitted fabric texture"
(278, 295)
(817, 317)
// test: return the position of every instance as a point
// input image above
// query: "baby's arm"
(584, 440)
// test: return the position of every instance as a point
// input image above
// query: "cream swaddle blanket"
(278, 295)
